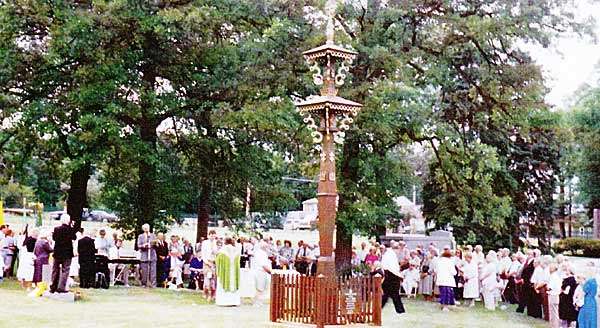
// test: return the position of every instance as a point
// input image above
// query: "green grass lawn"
(138, 307)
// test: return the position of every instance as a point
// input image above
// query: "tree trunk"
(343, 237)
(204, 185)
(147, 205)
(516, 236)
(570, 211)
(147, 174)
(343, 247)
(544, 232)
(562, 209)
(203, 213)
(77, 194)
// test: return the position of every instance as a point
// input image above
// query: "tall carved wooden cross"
(328, 116)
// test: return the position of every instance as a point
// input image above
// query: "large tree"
(56, 87)
(587, 129)
(452, 72)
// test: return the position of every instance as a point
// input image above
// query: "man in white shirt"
(304, 258)
(117, 252)
(315, 254)
(208, 251)
(362, 252)
(102, 243)
(391, 281)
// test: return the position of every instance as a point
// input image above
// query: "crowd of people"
(225, 269)
(543, 286)
(67, 256)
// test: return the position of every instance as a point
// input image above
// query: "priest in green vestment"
(228, 275)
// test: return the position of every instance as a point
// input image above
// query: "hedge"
(587, 247)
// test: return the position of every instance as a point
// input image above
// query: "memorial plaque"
(350, 301)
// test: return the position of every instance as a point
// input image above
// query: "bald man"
(63, 236)
(146, 243)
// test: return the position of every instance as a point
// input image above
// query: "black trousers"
(534, 304)
(160, 273)
(510, 292)
(87, 274)
(302, 267)
(523, 297)
(391, 289)
(60, 274)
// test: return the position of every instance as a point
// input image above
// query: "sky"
(570, 61)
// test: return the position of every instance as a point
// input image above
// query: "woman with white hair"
(426, 282)
(471, 275)
(445, 271)
(538, 279)
(176, 265)
(566, 307)
(510, 292)
(41, 250)
(554, 290)
(262, 270)
(7, 251)
(489, 281)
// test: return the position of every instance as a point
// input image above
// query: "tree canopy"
(188, 106)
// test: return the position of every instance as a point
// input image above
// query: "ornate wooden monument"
(328, 116)
(327, 299)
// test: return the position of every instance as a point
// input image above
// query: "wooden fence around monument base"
(325, 300)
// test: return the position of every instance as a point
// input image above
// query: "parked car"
(55, 215)
(101, 216)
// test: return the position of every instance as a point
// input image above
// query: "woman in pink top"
(372, 256)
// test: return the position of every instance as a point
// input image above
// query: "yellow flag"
(1, 211)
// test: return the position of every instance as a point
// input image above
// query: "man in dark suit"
(162, 251)
(87, 254)
(63, 236)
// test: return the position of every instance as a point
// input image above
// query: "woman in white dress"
(228, 275)
(176, 256)
(445, 270)
(471, 275)
(25, 270)
(489, 281)
(74, 268)
(410, 278)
